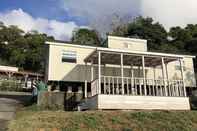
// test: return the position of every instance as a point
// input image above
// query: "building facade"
(125, 70)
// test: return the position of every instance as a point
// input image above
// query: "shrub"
(11, 85)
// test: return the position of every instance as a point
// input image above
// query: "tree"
(24, 50)
(86, 37)
(177, 40)
(144, 28)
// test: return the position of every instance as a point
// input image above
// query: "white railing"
(94, 87)
(112, 85)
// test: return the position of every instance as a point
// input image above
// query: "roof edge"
(111, 49)
(69, 44)
(126, 38)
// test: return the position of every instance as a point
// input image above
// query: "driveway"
(9, 103)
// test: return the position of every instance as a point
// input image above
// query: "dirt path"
(7, 111)
(9, 103)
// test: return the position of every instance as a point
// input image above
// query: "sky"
(60, 17)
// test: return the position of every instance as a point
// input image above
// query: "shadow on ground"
(10, 102)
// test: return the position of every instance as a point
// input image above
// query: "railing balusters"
(134, 86)
(104, 84)
(127, 86)
(140, 86)
(113, 85)
(109, 85)
(117, 88)
(153, 85)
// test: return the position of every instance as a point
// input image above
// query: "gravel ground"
(9, 103)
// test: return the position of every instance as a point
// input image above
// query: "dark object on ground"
(193, 100)
(59, 100)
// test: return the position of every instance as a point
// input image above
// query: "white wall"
(8, 68)
(126, 102)
(65, 71)
(142, 102)
(62, 71)
(127, 43)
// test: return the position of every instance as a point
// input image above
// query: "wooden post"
(117, 88)
(183, 77)
(92, 71)
(99, 72)
(154, 87)
(163, 74)
(113, 84)
(132, 72)
(104, 80)
(132, 80)
(127, 85)
(85, 89)
(122, 72)
(109, 84)
(144, 75)
(104, 84)
(85, 84)
(167, 78)
(139, 80)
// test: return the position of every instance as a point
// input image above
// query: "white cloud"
(101, 13)
(171, 12)
(60, 30)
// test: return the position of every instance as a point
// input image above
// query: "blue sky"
(48, 9)
(60, 17)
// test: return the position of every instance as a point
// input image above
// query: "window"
(69, 56)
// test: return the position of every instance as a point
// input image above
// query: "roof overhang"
(112, 56)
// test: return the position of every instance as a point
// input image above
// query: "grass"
(31, 119)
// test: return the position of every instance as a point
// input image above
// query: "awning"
(112, 56)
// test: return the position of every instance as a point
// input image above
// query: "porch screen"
(69, 56)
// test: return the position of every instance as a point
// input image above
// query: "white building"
(123, 76)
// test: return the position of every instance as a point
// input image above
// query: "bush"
(11, 85)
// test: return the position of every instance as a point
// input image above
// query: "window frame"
(68, 56)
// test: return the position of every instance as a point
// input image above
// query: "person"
(41, 86)
(34, 91)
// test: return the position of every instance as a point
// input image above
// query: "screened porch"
(136, 82)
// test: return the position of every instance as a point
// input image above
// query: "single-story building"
(124, 75)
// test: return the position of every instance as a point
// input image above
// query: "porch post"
(132, 81)
(132, 73)
(139, 76)
(167, 77)
(144, 75)
(85, 86)
(99, 72)
(183, 77)
(122, 73)
(163, 74)
(154, 85)
(92, 71)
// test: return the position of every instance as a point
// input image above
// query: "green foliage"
(35, 108)
(177, 40)
(11, 85)
(24, 50)
(101, 120)
(144, 28)
(116, 120)
(86, 37)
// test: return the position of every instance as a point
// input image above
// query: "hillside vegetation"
(105, 121)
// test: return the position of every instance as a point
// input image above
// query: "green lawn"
(31, 120)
